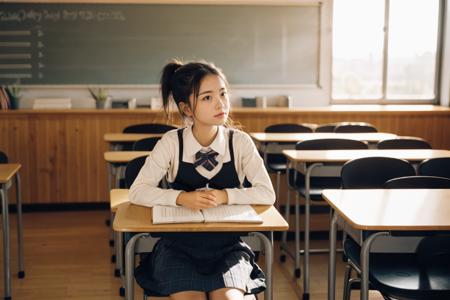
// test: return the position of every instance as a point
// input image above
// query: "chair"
(404, 143)
(366, 173)
(3, 158)
(435, 167)
(146, 144)
(326, 127)
(354, 127)
(414, 182)
(373, 172)
(148, 128)
(433, 259)
(277, 162)
(317, 184)
(132, 170)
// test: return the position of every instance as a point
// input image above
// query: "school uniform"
(202, 261)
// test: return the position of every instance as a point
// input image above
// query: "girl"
(201, 265)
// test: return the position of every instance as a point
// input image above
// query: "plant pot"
(100, 104)
(14, 102)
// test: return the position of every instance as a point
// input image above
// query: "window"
(371, 64)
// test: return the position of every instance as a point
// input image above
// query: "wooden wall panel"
(62, 151)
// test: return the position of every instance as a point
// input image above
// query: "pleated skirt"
(200, 262)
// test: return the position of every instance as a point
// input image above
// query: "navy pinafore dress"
(202, 261)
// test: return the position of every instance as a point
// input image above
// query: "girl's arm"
(145, 190)
(252, 165)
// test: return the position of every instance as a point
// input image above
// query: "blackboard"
(130, 43)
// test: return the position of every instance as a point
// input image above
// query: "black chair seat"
(400, 276)
(280, 167)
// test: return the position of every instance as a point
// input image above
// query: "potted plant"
(100, 95)
(14, 93)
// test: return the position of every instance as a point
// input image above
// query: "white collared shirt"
(163, 161)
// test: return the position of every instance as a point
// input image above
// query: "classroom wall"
(303, 96)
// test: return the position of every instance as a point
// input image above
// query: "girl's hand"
(197, 199)
(221, 196)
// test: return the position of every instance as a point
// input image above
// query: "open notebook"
(221, 213)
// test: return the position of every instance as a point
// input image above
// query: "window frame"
(383, 99)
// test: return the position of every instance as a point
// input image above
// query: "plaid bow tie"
(206, 158)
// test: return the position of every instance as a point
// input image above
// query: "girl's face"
(213, 103)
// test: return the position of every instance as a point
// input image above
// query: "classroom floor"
(67, 256)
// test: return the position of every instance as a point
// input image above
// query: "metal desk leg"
(21, 273)
(129, 265)
(365, 253)
(307, 228)
(283, 246)
(297, 236)
(6, 266)
(109, 171)
(268, 254)
(297, 271)
(332, 257)
(118, 246)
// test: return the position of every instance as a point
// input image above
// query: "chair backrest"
(146, 144)
(330, 144)
(325, 127)
(3, 158)
(434, 251)
(418, 182)
(148, 128)
(404, 143)
(373, 172)
(435, 167)
(132, 170)
(288, 128)
(354, 127)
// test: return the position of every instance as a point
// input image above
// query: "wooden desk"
(388, 210)
(307, 160)
(371, 137)
(116, 139)
(342, 156)
(7, 172)
(134, 218)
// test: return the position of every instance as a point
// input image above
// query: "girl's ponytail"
(167, 82)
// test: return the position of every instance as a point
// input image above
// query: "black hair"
(179, 81)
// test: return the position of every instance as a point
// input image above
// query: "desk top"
(341, 156)
(135, 218)
(128, 137)
(7, 171)
(391, 209)
(123, 156)
(372, 137)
